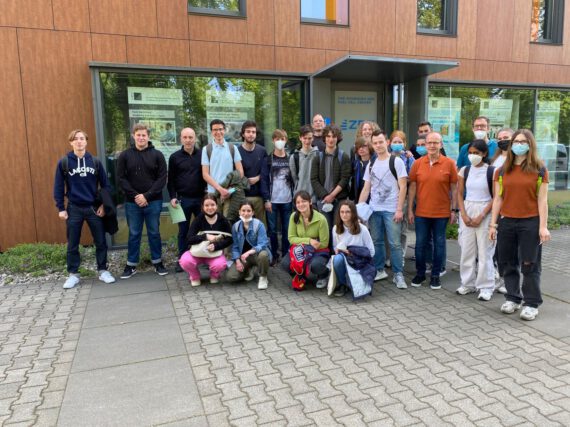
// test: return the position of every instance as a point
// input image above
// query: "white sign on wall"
(353, 107)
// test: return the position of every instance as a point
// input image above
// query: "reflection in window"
(547, 20)
(325, 11)
(437, 16)
(224, 7)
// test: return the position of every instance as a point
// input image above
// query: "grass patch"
(34, 258)
(452, 231)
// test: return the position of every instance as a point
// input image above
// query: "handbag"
(200, 250)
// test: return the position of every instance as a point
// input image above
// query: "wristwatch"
(455, 210)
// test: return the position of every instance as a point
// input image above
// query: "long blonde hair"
(532, 163)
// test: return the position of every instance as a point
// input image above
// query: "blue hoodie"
(82, 180)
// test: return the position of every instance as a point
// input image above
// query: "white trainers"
(380, 274)
(529, 313)
(501, 289)
(464, 290)
(262, 284)
(106, 276)
(71, 281)
(213, 280)
(322, 283)
(485, 294)
(399, 281)
(195, 283)
(510, 307)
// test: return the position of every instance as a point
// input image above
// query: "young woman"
(503, 140)
(363, 155)
(475, 201)
(521, 190)
(309, 227)
(347, 231)
(250, 248)
(211, 226)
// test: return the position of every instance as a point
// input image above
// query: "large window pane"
(437, 16)
(224, 7)
(325, 11)
(547, 21)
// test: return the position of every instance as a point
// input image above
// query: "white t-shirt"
(476, 186)
(384, 188)
(499, 161)
(361, 239)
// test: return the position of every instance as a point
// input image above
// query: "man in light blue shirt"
(481, 131)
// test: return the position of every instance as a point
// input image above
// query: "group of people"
(355, 206)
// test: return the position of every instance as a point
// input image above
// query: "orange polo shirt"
(433, 184)
(519, 193)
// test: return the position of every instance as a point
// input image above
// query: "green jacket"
(318, 229)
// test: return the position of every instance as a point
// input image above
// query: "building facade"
(104, 65)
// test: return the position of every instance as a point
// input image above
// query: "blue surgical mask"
(397, 147)
(519, 149)
(422, 150)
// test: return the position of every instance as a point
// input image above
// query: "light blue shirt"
(221, 162)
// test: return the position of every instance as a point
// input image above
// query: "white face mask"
(475, 159)
(279, 144)
(480, 134)
(244, 219)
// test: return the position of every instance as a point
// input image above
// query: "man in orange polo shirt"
(432, 178)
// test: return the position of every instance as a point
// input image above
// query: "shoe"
(71, 281)
(106, 276)
(399, 281)
(262, 284)
(195, 283)
(250, 275)
(434, 282)
(388, 263)
(442, 272)
(380, 274)
(529, 313)
(501, 289)
(322, 283)
(129, 271)
(178, 268)
(464, 290)
(510, 307)
(160, 269)
(418, 280)
(340, 291)
(213, 280)
(485, 295)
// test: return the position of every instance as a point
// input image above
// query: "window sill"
(435, 33)
(218, 13)
(324, 23)
(546, 43)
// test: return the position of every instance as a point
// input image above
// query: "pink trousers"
(190, 263)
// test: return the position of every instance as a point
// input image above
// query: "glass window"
(437, 17)
(547, 21)
(218, 7)
(325, 11)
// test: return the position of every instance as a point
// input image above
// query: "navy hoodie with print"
(81, 180)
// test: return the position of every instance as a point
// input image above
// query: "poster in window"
(233, 107)
(445, 114)
(499, 112)
(546, 130)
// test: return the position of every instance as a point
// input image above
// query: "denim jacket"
(256, 237)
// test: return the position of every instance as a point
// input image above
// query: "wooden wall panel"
(372, 25)
(287, 23)
(536, 73)
(546, 54)
(484, 70)
(153, 51)
(109, 48)
(566, 39)
(17, 222)
(467, 29)
(334, 55)
(130, 17)
(495, 27)
(26, 13)
(510, 72)
(71, 15)
(260, 22)
(521, 36)
(406, 12)
(322, 37)
(438, 47)
(247, 57)
(204, 54)
(172, 16)
(299, 60)
(57, 99)
(556, 74)
(465, 71)
(216, 28)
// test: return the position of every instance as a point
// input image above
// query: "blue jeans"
(283, 210)
(340, 269)
(136, 217)
(75, 217)
(381, 221)
(190, 206)
(425, 228)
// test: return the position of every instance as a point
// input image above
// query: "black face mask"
(212, 215)
(504, 144)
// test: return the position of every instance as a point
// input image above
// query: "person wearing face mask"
(280, 182)
(421, 148)
(521, 200)
(481, 131)
(250, 248)
(503, 140)
(423, 129)
(475, 200)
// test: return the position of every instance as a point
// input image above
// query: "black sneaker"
(340, 291)
(177, 268)
(434, 283)
(160, 269)
(418, 280)
(128, 272)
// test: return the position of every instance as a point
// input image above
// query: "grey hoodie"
(302, 177)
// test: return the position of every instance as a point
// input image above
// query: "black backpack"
(490, 172)
(391, 165)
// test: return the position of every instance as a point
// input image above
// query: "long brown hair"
(354, 227)
(532, 162)
(305, 196)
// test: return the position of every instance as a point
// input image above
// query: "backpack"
(490, 173)
(209, 149)
(65, 167)
(339, 155)
(391, 165)
(299, 264)
(541, 174)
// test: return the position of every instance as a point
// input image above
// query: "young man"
(280, 191)
(423, 129)
(186, 186)
(254, 162)
(480, 131)
(318, 124)
(433, 178)
(301, 160)
(142, 176)
(386, 181)
(81, 173)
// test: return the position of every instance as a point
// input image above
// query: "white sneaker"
(510, 307)
(485, 294)
(322, 283)
(500, 286)
(464, 290)
(380, 274)
(529, 313)
(387, 263)
(213, 281)
(262, 284)
(106, 276)
(399, 281)
(195, 283)
(71, 281)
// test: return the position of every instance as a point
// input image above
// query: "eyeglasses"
(480, 127)
(218, 130)
(520, 141)
(432, 142)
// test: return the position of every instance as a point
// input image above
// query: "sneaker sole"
(514, 310)
(464, 293)
(435, 288)
(528, 319)
(162, 274)
(128, 277)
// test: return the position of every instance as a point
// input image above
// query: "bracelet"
(493, 225)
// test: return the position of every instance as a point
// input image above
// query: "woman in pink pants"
(211, 226)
